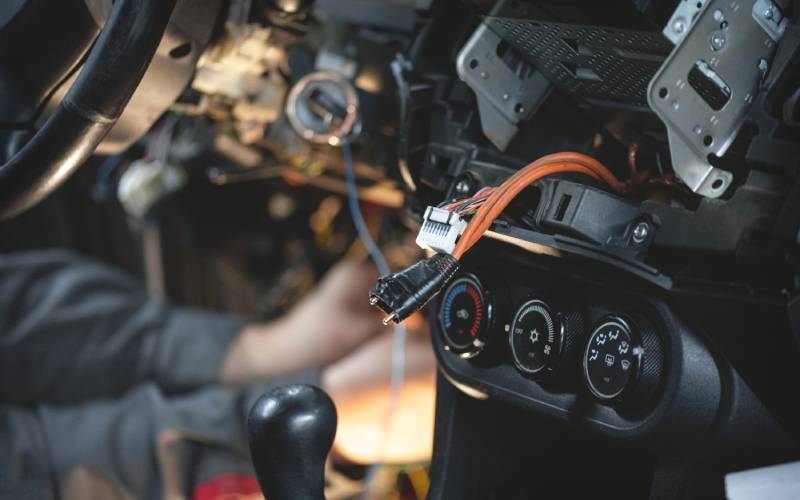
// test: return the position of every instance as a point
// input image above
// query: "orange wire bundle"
(501, 197)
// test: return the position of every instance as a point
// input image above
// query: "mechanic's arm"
(72, 329)
(327, 325)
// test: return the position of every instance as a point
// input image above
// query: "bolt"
(679, 26)
(697, 130)
(763, 65)
(769, 13)
(718, 40)
(718, 15)
(640, 232)
(484, 74)
(462, 186)
(506, 97)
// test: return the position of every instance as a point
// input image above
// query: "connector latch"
(440, 230)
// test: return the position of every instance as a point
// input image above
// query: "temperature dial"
(464, 316)
(539, 338)
(623, 359)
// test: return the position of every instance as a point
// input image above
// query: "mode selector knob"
(540, 338)
(623, 359)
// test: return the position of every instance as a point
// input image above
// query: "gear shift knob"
(291, 430)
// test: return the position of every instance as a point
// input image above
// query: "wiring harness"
(401, 294)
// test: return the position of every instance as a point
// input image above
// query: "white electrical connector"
(440, 230)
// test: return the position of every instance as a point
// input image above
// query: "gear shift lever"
(291, 431)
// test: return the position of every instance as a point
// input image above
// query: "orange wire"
(516, 178)
(547, 166)
(503, 195)
(575, 162)
(579, 158)
(493, 208)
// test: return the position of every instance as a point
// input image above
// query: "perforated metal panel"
(599, 64)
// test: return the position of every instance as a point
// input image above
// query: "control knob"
(540, 338)
(465, 316)
(623, 359)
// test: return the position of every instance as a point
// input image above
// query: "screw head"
(462, 186)
(763, 65)
(718, 40)
(640, 232)
(769, 13)
(679, 26)
(718, 15)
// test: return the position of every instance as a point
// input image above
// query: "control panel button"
(464, 316)
(539, 337)
(623, 359)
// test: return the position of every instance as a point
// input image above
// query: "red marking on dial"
(478, 311)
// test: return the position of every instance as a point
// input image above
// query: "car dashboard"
(619, 320)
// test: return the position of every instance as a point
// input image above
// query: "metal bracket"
(505, 97)
(682, 20)
(770, 17)
(705, 88)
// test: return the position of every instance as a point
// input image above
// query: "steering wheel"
(112, 72)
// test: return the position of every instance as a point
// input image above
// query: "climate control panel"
(587, 349)
(619, 356)
(574, 353)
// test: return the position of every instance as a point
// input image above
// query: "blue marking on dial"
(448, 302)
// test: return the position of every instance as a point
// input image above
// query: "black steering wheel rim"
(108, 79)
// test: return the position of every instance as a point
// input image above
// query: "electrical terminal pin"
(440, 230)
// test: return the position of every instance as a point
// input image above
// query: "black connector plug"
(401, 294)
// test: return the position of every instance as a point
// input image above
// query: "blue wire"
(358, 218)
(102, 186)
(399, 339)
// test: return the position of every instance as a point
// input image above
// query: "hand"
(328, 324)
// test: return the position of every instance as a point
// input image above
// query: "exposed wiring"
(158, 145)
(397, 376)
(466, 205)
(633, 151)
(358, 218)
(156, 149)
(102, 186)
(501, 197)
(401, 294)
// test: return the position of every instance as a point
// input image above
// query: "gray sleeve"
(141, 445)
(72, 328)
